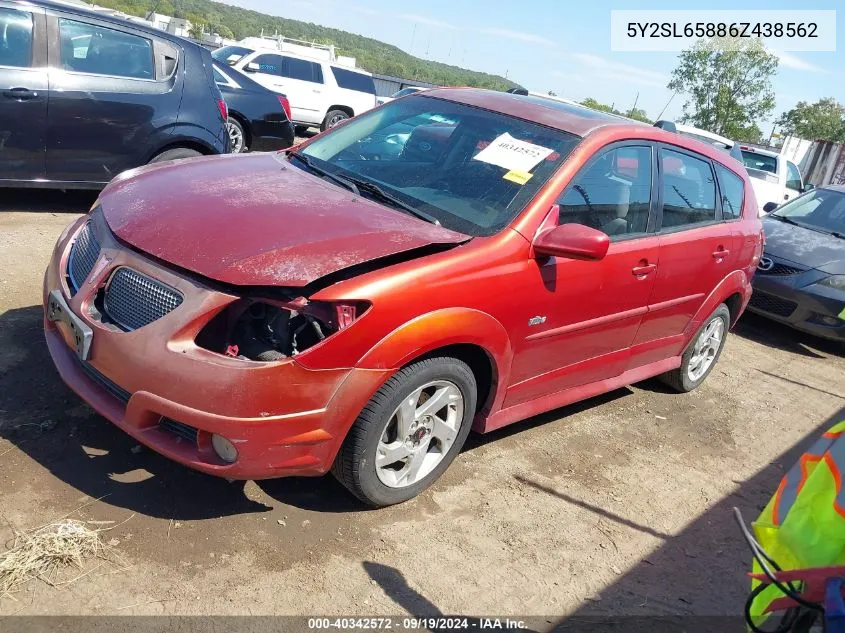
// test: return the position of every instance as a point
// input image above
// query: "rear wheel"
(333, 118)
(237, 136)
(175, 154)
(409, 432)
(701, 354)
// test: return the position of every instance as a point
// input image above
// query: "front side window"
(733, 193)
(793, 177)
(15, 38)
(470, 169)
(612, 195)
(354, 81)
(821, 210)
(87, 48)
(270, 64)
(689, 190)
(303, 70)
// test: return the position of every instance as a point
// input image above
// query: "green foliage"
(823, 120)
(637, 114)
(728, 83)
(372, 55)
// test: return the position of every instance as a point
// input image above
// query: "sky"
(558, 45)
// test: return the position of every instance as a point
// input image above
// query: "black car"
(259, 119)
(800, 279)
(85, 96)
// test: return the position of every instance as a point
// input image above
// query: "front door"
(23, 92)
(584, 315)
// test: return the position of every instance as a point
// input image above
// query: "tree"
(591, 103)
(552, 93)
(196, 30)
(634, 113)
(728, 83)
(823, 120)
(638, 114)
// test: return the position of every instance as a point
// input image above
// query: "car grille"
(780, 270)
(772, 304)
(116, 390)
(83, 256)
(180, 430)
(133, 300)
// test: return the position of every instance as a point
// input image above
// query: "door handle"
(642, 271)
(721, 253)
(317, 92)
(21, 94)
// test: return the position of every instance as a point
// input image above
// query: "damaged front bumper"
(171, 395)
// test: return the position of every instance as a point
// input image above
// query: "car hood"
(256, 220)
(809, 248)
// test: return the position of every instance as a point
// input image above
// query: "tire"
(237, 136)
(175, 154)
(683, 379)
(356, 466)
(333, 118)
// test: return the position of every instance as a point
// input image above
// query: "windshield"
(231, 55)
(471, 169)
(821, 209)
(761, 162)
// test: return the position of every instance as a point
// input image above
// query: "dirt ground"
(618, 505)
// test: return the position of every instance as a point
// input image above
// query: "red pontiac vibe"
(456, 258)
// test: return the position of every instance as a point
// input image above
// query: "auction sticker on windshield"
(512, 154)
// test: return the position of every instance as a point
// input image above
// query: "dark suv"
(85, 96)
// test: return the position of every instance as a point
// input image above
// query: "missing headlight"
(268, 331)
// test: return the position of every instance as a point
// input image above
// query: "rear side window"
(302, 70)
(733, 193)
(15, 38)
(689, 190)
(354, 81)
(87, 48)
(612, 195)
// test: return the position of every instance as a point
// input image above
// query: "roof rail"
(669, 126)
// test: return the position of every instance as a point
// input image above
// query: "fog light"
(224, 448)
(823, 319)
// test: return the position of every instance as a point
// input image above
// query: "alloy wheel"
(706, 348)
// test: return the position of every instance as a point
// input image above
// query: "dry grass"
(43, 552)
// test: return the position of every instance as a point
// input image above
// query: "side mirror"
(574, 241)
(252, 67)
(808, 186)
(769, 207)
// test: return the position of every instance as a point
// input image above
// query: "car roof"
(575, 119)
(697, 130)
(81, 9)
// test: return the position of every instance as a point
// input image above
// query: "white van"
(321, 93)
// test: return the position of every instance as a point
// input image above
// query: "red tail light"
(283, 100)
(224, 109)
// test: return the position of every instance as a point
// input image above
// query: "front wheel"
(702, 353)
(409, 432)
(333, 118)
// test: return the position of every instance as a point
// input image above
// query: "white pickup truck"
(774, 178)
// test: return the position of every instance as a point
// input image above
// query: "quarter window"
(613, 195)
(733, 193)
(15, 38)
(689, 190)
(87, 48)
(353, 81)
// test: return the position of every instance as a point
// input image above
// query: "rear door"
(697, 251)
(113, 90)
(356, 90)
(23, 91)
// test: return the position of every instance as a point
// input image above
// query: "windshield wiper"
(340, 180)
(377, 192)
(786, 219)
